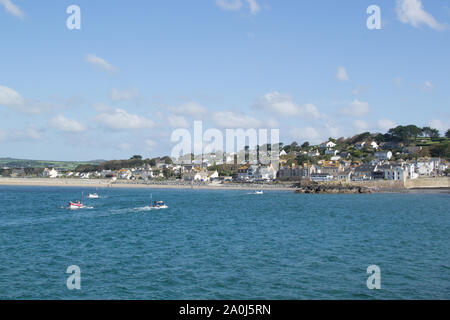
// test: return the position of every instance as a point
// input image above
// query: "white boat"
(75, 205)
(258, 192)
(159, 205)
(93, 196)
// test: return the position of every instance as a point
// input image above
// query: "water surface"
(227, 244)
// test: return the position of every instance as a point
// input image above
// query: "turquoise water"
(223, 245)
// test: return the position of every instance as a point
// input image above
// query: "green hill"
(59, 165)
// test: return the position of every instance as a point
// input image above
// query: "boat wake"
(150, 208)
(78, 209)
(134, 210)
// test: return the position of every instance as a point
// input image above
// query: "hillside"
(60, 165)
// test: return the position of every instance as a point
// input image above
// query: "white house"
(50, 173)
(360, 145)
(427, 166)
(265, 173)
(314, 153)
(374, 145)
(247, 173)
(213, 175)
(124, 174)
(397, 173)
(335, 158)
(383, 155)
(327, 145)
(321, 177)
(331, 152)
(345, 176)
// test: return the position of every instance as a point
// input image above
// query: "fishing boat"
(77, 204)
(159, 205)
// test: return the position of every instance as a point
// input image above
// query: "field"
(59, 165)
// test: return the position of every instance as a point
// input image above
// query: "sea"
(222, 244)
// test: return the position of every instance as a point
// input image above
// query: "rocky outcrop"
(332, 189)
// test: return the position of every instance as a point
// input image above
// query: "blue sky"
(137, 70)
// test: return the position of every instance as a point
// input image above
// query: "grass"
(59, 165)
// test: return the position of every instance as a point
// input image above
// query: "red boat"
(75, 205)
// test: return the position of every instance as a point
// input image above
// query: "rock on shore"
(332, 189)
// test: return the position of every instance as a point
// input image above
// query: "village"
(333, 160)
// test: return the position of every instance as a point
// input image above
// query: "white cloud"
(272, 123)
(101, 107)
(121, 120)
(386, 124)
(254, 6)
(428, 85)
(229, 119)
(360, 125)
(356, 109)
(177, 121)
(63, 124)
(438, 124)
(12, 99)
(310, 111)
(278, 103)
(30, 133)
(342, 74)
(229, 5)
(412, 12)
(99, 62)
(191, 109)
(309, 134)
(284, 105)
(117, 95)
(12, 8)
(236, 5)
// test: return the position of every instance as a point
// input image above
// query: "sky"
(138, 70)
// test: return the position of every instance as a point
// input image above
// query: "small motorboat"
(159, 205)
(258, 192)
(75, 205)
(93, 196)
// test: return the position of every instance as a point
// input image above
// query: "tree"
(136, 157)
(305, 145)
(430, 132)
(405, 133)
(447, 134)
(441, 150)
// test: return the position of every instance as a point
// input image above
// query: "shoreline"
(102, 183)
(40, 182)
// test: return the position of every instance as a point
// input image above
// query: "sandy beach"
(377, 187)
(103, 183)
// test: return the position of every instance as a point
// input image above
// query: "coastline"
(41, 182)
(104, 183)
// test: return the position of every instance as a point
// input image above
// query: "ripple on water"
(223, 245)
